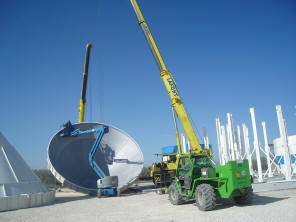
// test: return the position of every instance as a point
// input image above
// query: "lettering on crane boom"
(173, 86)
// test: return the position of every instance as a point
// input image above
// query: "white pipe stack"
(183, 143)
(230, 134)
(247, 148)
(256, 145)
(284, 142)
(239, 142)
(218, 128)
(224, 145)
(267, 150)
(206, 139)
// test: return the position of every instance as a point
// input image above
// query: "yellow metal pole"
(84, 85)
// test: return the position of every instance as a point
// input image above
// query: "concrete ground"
(72, 206)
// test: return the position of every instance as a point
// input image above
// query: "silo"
(118, 155)
(279, 152)
(19, 186)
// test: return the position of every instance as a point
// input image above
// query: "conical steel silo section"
(118, 155)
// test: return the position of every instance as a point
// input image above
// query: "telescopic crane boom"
(170, 86)
(84, 85)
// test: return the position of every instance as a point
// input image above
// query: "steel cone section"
(118, 155)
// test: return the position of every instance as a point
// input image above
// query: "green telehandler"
(197, 179)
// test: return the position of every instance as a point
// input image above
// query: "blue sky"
(226, 56)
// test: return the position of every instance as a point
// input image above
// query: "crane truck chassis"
(163, 173)
(195, 175)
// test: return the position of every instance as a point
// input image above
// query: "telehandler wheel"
(246, 198)
(205, 197)
(174, 195)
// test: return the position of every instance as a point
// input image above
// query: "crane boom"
(170, 85)
(84, 85)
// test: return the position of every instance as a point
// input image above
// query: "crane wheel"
(205, 197)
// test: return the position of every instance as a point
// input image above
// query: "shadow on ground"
(263, 200)
(135, 190)
(258, 200)
(223, 203)
(60, 200)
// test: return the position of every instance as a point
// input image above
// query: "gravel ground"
(73, 206)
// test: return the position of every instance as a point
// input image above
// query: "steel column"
(247, 148)
(256, 145)
(267, 151)
(284, 142)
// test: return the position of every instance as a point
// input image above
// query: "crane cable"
(100, 63)
(189, 115)
(90, 92)
(192, 121)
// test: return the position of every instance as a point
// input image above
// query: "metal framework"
(239, 148)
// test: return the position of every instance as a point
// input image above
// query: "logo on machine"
(173, 86)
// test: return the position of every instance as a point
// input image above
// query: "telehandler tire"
(174, 195)
(205, 197)
(246, 198)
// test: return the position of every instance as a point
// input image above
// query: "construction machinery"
(163, 172)
(107, 185)
(195, 175)
(84, 85)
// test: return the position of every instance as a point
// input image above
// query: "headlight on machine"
(208, 172)
(204, 172)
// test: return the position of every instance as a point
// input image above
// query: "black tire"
(174, 195)
(246, 198)
(99, 193)
(205, 197)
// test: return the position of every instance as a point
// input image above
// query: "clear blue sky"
(226, 56)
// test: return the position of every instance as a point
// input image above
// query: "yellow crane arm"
(84, 85)
(169, 84)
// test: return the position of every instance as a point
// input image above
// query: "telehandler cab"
(197, 179)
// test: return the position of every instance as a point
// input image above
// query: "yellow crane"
(84, 85)
(170, 84)
(195, 177)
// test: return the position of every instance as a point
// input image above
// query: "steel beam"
(284, 142)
